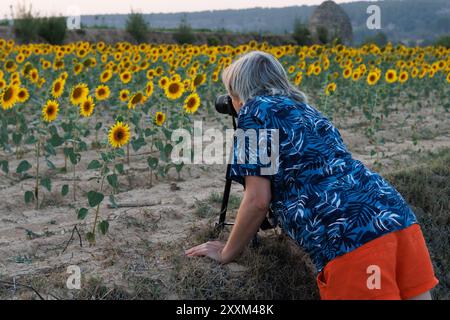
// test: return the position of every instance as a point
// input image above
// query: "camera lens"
(224, 105)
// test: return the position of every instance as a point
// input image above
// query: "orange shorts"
(394, 266)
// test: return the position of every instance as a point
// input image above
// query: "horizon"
(86, 7)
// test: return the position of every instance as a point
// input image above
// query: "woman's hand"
(212, 249)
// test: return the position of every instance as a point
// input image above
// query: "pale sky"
(46, 7)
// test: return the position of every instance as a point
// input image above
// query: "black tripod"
(226, 195)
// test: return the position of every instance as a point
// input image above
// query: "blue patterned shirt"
(328, 202)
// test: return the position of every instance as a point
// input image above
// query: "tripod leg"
(225, 198)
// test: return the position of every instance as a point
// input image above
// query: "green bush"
(380, 39)
(301, 33)
(53, 29)
(443, 41)
(212, 41)
(25, 24)
(322, 35)
(137, 27)
(184, 33)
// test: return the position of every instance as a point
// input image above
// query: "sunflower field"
(59, 102)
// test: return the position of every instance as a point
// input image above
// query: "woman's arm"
(251, 213)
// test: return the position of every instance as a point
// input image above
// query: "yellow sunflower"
(330, 88)
(87, 107)
(58, 87)
(125, 77)
(403, 77)
(124, 94)
(137, 98)
(119, 134)
(160, 117)
(174, 90)
(372, 78)
(102, 92)
(50, 110)
(391, 76)
(149, 88)
(8, 97)
(105, 76)
(163, 82)
(79, 93)
(448, 78)
(192, 103)
(23, 95)
(347, 73)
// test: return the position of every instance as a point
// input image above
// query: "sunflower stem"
(36, 188)
(97, 210)
(73, 179)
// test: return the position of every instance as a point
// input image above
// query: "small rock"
(174, 187)
(236, 268)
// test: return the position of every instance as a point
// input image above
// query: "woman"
(361, 235)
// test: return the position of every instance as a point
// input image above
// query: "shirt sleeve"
(254, 146)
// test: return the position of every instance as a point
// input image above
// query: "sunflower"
(119, 134)
(174, 90)
(10, 66)
(78, 93)
(330, 88)
(8, 97)
(58, 87)
(149, 88)
(373, 78)
(137, 98)
(124, 94)
(391, 76)
(50, 110)
(125, 77)
(163, 82)
(403, 77)
(102, 92)
(448, 78)
(23, 95)
(192, 103)
(105, 76)
(87, 107)
(160, 117)
(347, 73)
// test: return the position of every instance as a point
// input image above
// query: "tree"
(137, 27)
(443, 41)
(301, 33)
(25, 24)
(380, 39)
(53, 29)
(322, 34)
(184, 33)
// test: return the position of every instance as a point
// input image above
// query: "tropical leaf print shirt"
(328, 202)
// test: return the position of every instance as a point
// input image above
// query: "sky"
(51, 7)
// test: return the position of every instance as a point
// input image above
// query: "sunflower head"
(8, 96)
(174, 90)
(23, 95)
(58, 87)
(192, 103)
(87, 107)
(391, 76)
(160, 118)
(124, 95)
(50, 110)
(79, 93)
(102, 92)
(137, 98)
(119, 134)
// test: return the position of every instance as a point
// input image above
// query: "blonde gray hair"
(259, 73)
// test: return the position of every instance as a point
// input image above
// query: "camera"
(224, 105)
